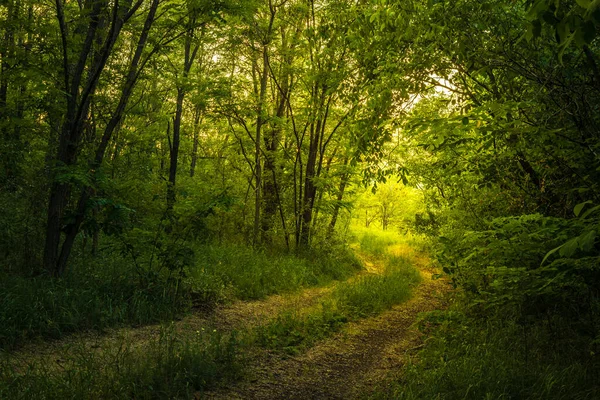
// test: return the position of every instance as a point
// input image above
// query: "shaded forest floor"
(359, 358)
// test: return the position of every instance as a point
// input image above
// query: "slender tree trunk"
(310, 188)
(271, 193)
(340, 196)
(11, 137)
(174, 149)
(55, 261)
(190, 55)
(314, 163)
(196, 142)
(257, 143)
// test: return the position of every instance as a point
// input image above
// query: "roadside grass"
(366, 296)
(243, 273)
(183, 366)
(375, 241)
(378, 243)
(372, 294)
(88, 298)
(172, 366)
(169, 367)
(110, 291)
(474, 358)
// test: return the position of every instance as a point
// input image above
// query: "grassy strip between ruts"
(176, 366)
(369, 295)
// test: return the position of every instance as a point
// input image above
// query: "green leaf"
(587, 241)
(579, 207)
(569, 248)
(465, 121)
(590, 211)
(538, 7)
(584, 3)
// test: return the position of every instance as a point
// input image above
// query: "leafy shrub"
(529, 321)
(510, 266)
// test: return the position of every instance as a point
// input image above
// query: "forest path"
(352, 363)
(348, 365)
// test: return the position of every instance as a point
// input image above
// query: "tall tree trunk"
(310, 188)
(340, 196)
(77, 110)
(174, 149)
(196, 141)
(314, 162)
(257, 143)
(189, 57)
(11, 137)
(271, 193)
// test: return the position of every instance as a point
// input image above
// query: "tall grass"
(248, 274)
(87, 298)
(469, 358)
(111, 291)
(372, 294)
(376, 242)
(168, 367)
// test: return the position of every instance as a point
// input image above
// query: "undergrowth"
(86, 299)
(111, 291)
(527, 323)
(166, 368)
(474, 358)
(248, 274)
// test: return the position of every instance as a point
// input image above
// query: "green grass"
(367, 296)
(169, 367)
(468, 358)
(247, 274)
(88, 298)
(110, 291)
(376, 242)
(372, 294)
